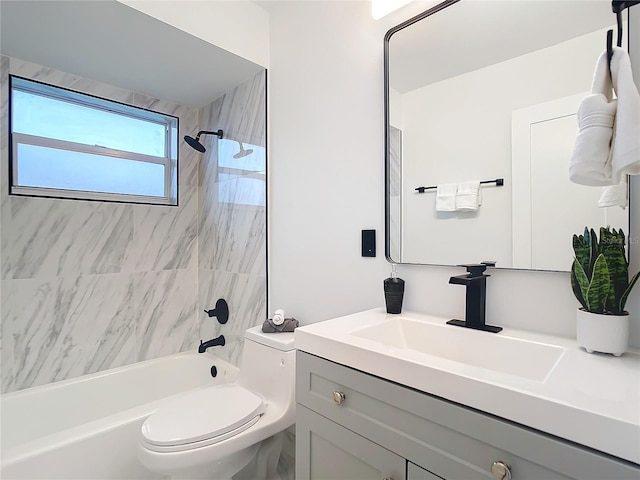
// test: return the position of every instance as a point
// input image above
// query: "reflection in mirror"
(485, 90)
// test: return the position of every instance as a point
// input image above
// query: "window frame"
(171, 147)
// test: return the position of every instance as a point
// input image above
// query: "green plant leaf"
(612, 246)
(599, 286)
(582, 252)
(594, 250)
(600, 271)
(579, 283)
(625, 295)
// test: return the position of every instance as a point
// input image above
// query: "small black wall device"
(368, 243)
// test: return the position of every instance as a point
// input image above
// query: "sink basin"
(513, 356)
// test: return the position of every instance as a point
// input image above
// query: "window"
(70, 145)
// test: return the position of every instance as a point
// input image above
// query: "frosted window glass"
(52, 118)
(67, 170)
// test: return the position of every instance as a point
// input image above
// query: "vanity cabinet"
(333, 452)
(353, 425)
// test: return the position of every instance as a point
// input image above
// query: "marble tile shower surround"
(240, 113)
(235, 234)
(58, 328)
(395, 217)
(232, 236)
(246, 296)
(87, 286)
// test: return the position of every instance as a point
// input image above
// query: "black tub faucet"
(214, 342)
(476, 282)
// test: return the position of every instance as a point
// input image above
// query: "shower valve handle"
(221, 312)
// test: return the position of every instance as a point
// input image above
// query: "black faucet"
(214, 342)
(476, 282)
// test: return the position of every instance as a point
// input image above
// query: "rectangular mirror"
(488, 91)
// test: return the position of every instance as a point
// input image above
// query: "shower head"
(195, 142)
(243, 152)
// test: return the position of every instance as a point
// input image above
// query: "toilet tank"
(268, 365)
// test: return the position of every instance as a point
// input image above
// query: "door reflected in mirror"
(484, 90)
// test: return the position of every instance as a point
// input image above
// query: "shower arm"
(218, 133)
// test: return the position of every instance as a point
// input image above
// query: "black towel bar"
(498, 181)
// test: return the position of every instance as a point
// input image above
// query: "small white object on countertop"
(278, 317)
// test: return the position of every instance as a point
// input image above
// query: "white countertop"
(590, 399)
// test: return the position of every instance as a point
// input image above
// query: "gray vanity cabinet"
(352, 425)
(414, 472)
(325, 450)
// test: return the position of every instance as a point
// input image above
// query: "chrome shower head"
(243, 152)
(195, 142)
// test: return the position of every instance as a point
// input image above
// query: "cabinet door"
(327, 451)
(415, 472)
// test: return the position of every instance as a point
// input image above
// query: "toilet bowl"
(214, 432)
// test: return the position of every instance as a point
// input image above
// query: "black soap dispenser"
(393, 291)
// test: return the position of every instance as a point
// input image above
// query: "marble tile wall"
(87, 286)
(395, 216)
(232, 233)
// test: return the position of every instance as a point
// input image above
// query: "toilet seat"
(202, 418)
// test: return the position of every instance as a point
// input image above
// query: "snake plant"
(600, 271)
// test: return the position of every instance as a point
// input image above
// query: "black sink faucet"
(214, 342)
(476, 282)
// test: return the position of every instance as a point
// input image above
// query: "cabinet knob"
(501, 471)
(338, 398)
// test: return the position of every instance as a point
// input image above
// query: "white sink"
(542, 381)
(523, 358)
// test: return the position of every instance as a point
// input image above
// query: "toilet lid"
(201, 415)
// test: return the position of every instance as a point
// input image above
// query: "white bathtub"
(87, 427)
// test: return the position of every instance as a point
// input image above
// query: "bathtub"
(87, 428)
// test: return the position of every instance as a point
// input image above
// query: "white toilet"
(214, 432)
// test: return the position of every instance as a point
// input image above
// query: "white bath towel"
(446, 197)
(615, 195)
(625, 156)
(608, 143)
(468, 196)
(591, 159)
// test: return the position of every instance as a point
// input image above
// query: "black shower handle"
(221, 311)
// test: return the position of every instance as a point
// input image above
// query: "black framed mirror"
(486, 93)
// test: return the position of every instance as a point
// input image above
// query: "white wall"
(327, 143)
(239, 26)
(327, 174)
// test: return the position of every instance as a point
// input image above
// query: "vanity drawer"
(449, 440)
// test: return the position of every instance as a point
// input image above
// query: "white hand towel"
(446, 197)
(625, 156)
(591, 159)
(468, 197)
(615, 195)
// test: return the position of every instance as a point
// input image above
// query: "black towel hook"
(617, 6)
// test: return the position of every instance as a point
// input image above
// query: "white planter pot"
(602, 333)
